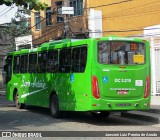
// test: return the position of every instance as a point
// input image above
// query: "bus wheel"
(54, 106)
(18, 104)
(101, 114)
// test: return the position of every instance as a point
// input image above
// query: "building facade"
(119, 17)
(127, 17)
(49, 24)
(133, 18)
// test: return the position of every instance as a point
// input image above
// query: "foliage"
(18, 26)
(33, 4)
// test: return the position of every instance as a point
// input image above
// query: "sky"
(6, 13)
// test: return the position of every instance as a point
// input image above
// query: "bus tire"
(54, 106)
(18, 104)
(100, 114)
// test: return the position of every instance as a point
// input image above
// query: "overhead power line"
(114, 3)
(6, 11)
(135, 7)
(84, 8)
(148, 12)
(51, 31)
(28, 29)
(132, 30)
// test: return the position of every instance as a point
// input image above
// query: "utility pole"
(66, 20)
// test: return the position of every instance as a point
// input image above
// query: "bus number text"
(122, 80)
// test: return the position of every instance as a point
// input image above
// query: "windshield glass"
(121, 52)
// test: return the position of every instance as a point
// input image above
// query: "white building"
(7, 13)
(152, 34)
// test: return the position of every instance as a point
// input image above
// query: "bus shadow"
(115, 118)
(39, 118)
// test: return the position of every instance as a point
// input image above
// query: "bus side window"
(24, 64)
(79, 58)
(32, 63)
(65, 60)
(83, 59)
(103, 52)
(16, 66)
(52, 64)
(76, 60)
(42, 62)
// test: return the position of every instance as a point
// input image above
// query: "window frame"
(81, 68)
(78, 6)
(29, 69)
(134, 64)
(48, 16)
(64, 66)
(39, 67)
(25, 70)
(37, 21)
(56, 68)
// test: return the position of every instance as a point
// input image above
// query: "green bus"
(99, 75)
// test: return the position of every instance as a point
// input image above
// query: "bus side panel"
(27, 89)
(76, 88)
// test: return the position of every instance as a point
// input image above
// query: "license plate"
(121, 92)
(128, 104)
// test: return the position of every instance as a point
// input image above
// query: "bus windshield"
(121, 52)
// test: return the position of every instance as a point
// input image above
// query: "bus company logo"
(36, 83)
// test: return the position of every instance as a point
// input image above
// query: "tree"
(18, 26)
(33, 4)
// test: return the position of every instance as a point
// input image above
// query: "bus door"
(124, 70)
(8, 72)
(8, 68)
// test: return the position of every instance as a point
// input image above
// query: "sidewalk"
(155, 100)
(155, 104)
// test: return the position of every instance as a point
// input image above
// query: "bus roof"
(56, 44)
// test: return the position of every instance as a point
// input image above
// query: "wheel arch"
(52, 93)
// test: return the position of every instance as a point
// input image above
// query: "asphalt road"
(39, 119)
